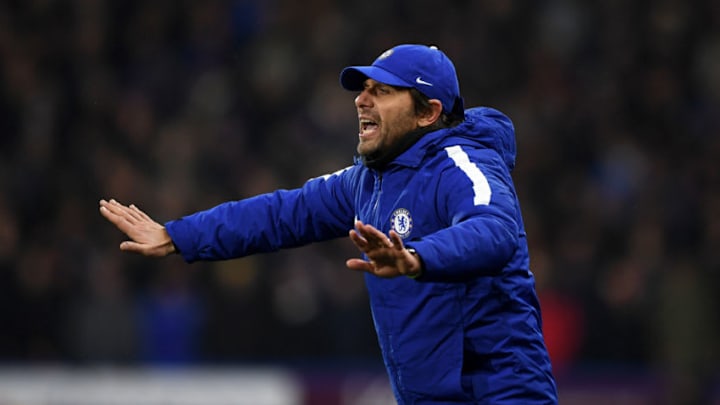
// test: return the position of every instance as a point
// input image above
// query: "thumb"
(130, 246)
(359, 265)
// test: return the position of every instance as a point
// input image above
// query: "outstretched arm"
(147, 237)
(387, 255)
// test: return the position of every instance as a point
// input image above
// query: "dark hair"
(422, 105)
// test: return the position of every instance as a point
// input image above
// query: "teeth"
(365, 123)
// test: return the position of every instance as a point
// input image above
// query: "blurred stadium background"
(179, 105)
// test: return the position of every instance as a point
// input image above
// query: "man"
(433, 209)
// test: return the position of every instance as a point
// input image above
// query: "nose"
(363, 99)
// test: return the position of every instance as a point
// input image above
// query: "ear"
(432, 114)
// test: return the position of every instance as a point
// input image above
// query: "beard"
(389, 132)
(378, 157)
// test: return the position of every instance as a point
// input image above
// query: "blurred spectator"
(170, 316)
(101, 325)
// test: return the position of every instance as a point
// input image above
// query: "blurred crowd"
(178, 105)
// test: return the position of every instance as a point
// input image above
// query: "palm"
(147, 237)
(387, 255)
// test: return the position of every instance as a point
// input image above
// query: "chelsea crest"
(401, 222)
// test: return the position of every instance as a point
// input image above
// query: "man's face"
(385, 114)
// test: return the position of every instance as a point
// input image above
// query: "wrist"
(416, 270)
(169, 243)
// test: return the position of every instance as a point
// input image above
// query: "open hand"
(388, 256)
(147, 237)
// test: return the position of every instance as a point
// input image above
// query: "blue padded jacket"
(469, 330)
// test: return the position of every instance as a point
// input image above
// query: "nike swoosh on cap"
(418, 80)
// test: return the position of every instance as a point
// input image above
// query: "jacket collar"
(415, 154)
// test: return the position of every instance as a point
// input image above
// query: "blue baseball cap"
(425, 68)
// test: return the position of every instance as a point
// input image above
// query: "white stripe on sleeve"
(480, 185)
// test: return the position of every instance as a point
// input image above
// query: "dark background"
(179, 105)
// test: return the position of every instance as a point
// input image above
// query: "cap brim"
(353, 77)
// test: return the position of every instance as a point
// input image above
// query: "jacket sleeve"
(479, 204)
(320, 210)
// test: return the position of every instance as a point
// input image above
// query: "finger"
(359, 265)
(120, 221)
(125, 211)
(106, 206)
(374, 237)
(396, 241)
(369, 267)
(140, 212)
(133, 213)
(132, 247)
(111, 215)
(116, 208)
(364, 230)
(360, 242)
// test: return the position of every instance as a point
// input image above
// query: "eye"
(384, 89)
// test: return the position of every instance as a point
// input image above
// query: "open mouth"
(367, 127)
